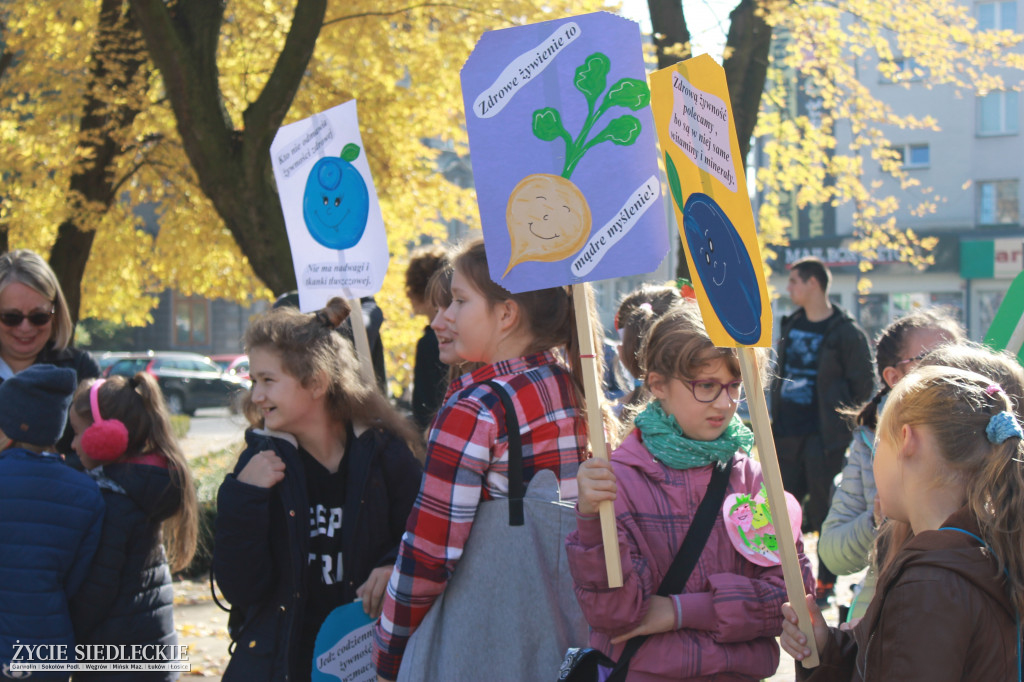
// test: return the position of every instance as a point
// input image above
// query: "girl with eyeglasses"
(724, 623)
(848, 532)
(35, 326)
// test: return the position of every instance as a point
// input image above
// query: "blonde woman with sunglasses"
(35, 326)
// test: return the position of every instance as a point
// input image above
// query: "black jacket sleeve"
(243, 563)
(428, 383)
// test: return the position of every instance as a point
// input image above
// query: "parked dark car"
(233, 363)
(189, 381)
(107, 358)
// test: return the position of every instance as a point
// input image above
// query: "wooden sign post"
(362, 342)
(566, 172)
(707, 182)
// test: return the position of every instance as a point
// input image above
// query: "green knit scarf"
(666, 441)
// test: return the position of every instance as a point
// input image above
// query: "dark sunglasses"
(14, 318)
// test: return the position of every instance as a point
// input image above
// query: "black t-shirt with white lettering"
(797, 414)
(324, 575)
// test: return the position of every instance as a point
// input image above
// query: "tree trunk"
(116, 58)
(669, 22)
(232, 165)
(748, 45)
(746, 67)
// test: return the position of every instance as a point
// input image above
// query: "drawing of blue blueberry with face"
(724, 266)
(336, 202)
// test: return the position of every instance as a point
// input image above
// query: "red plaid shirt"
(466, 463)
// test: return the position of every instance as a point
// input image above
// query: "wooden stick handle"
(776, 498)
(362, 341)
(595, 430)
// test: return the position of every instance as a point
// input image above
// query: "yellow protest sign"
(693, 117)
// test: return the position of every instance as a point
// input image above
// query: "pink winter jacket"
(730, 612)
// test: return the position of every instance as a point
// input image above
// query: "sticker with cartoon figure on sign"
(748, 521)
(541, 102)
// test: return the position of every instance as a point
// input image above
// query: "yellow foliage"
(401, 61)
(826, 49)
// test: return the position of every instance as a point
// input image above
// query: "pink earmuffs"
(106, 440)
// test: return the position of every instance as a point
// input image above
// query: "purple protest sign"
(564, 152)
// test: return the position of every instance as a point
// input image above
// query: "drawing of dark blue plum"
(724, 267)
(336, 202)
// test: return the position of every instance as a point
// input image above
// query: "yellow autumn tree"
(169, 109)
(822, 50)
(818, 158)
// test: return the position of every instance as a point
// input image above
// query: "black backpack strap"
(516, 488)
(686, 558)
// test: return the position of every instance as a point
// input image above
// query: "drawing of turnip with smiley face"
(547, 215)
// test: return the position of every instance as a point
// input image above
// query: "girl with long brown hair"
(529, 350)
(124, 440)
(949, 461)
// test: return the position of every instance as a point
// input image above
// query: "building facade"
(974, 161)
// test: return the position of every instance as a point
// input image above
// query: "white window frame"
(1008, 120)
(1001, 23)
(905, 152)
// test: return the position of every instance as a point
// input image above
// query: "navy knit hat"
(34, 404)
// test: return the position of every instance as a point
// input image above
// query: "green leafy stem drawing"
(591, 79)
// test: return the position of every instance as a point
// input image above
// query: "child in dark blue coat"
(313, 514)
(124, 440)
(50, 517)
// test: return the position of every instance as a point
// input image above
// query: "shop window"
(998, 113)
(997, 16)
(191, 321)
(953, 301)
(998, 202)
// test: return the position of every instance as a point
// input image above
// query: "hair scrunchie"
(1002, 426)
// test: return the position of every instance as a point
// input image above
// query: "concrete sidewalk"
(203, 627)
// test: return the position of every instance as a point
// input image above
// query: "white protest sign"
(335, 228)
